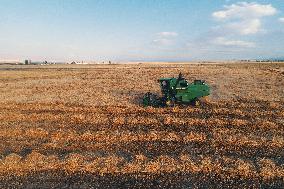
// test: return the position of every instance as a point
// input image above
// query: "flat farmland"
(83, 126)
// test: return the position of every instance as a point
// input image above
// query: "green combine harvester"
(177, 91)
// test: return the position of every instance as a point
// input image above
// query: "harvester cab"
(177, 91)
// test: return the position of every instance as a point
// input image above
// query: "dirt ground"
(83, 126)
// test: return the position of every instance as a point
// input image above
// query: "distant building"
(28, 62)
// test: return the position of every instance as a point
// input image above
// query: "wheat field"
(83, 126)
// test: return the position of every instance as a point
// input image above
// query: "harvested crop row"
(226, 168)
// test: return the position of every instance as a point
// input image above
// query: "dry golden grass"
(86, 123)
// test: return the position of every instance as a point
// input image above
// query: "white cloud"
(163, 41)
(165, 38)
(244, 18)
(167, 34)
(232, 43)
(245, 27)
(245, 10)
(281, 19)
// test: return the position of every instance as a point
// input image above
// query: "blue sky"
(141, 30)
